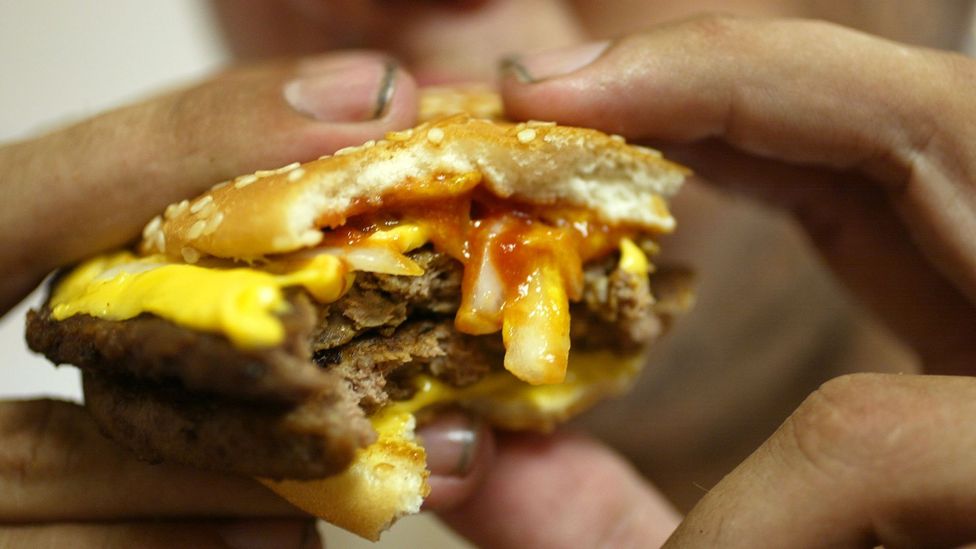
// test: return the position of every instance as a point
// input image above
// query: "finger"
(795, 91)
(460, 450)
(56, 466)
(867, 460)
(561, 491)
(236, 535)
(858, 233)
(92, 186)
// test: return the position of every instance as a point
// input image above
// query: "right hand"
(869, 144)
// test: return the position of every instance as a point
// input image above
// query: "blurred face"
(463, 39)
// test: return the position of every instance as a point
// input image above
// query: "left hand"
(91, 187)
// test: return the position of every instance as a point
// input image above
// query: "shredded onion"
(132, 268)
(536, 328)
(375, 259)
(482, 292)
(481, 308)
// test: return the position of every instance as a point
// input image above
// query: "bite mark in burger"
(292, 324)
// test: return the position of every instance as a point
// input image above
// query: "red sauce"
(534, 253)
(518, 237)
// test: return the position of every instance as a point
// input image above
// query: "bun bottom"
(388, 479)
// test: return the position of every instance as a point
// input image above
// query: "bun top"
(283, 210)
(476, 100)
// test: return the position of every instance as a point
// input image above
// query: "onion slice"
(482, 291)
(536, 327)
(375, 259)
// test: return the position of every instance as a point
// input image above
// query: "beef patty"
(299, 410)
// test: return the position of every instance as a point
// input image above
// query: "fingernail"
(344, 92)
(270, 534)
(534, 67)
(451, 441)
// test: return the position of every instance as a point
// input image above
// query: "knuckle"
(38, 439)
(22, 428)
(857, 423)
(184, 115)
(714, 25)
(707, 31)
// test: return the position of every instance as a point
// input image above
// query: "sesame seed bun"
(283, 210)
(461, 143)
(388, 481)
(474, 99)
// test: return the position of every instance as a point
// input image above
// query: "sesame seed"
(182, 207)
(369, 144)
(539, 124)
(220, 185)
(526, 136)
(618, 138)
(399, 136)
(311, 238)
(244, 181)
(190, 255)
(295, 175)
(196, 229)
(213, 223)
(160, 241)
(346, 150)
(288, 168)
(170, 212)
(152, 227)
(647, 150)
(206, 211)
(263, 173)
(435, 136)
(325, 156)
(199, 204)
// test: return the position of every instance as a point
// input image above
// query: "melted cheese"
(245, 304)
(241, 303)
(588, 376)
(403, 238)
(632, 258)
(389, 477)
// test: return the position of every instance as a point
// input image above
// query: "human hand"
(66, 484)
(867, 143)
(91, 187)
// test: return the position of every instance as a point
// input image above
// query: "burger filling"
(197, 397)
(421, 304)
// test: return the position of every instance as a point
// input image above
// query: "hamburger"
(295, 324)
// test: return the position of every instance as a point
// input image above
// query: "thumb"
(865, 141)
(96, 183)
(565, 490)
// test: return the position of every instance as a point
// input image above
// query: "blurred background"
(67, 60)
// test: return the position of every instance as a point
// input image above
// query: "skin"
(866, 459)
(811, 329)
(840, 136)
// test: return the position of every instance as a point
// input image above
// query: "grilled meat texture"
(172, 393)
